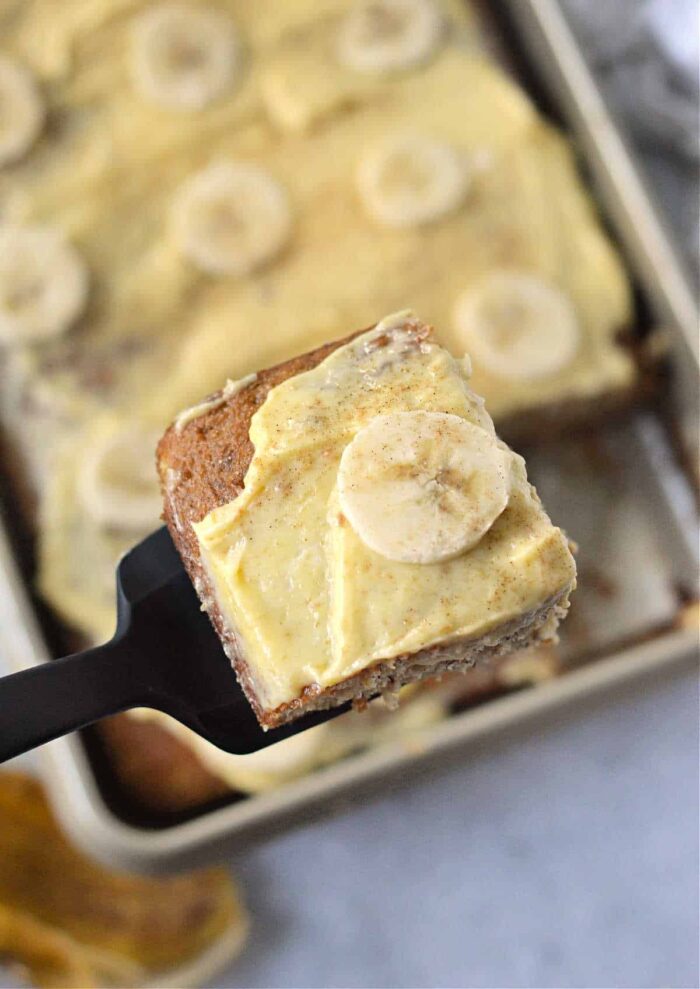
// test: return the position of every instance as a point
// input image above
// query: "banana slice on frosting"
(184, 57)
(117, 480)
(232, 218)
(412, 180)
(21, 111)
(518, 325)
(421, 487)
(388, 35)
(43, 284)
(100, 497)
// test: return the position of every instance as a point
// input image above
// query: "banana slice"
(412, 180)
(420, 487)
(43, 284)
(387, 35)
(21, 111)
(184, 57)
(518, 325)
(117, 481)
(232, 218)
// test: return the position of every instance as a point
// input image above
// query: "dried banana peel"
(72, 922)
(54, 959)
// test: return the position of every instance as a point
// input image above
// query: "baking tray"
(625, 493)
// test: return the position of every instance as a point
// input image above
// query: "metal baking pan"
(624, 492)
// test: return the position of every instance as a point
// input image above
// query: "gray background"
(565, 855)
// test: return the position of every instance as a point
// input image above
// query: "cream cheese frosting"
(310, 602)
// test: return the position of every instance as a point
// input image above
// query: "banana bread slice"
(342, 619)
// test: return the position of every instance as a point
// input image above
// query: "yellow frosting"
(311, 603)
(524, 212)
(158, 334)
(118, 162)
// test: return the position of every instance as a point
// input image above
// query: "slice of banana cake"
(352, 523)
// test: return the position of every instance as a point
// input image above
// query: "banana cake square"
(352, 523)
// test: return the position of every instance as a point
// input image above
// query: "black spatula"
(164, 655)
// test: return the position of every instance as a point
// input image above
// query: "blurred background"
(139, 269)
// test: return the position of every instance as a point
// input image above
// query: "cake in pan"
(382, 157)
(427, 173)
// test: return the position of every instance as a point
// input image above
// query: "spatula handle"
(60, 696)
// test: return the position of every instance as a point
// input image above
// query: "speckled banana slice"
(117, 479)
(232, 218)
(387, 35)
(411, 180)
(21, 111)
(43, 284)
(421, 487)
(518, 325)
(184, 57)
